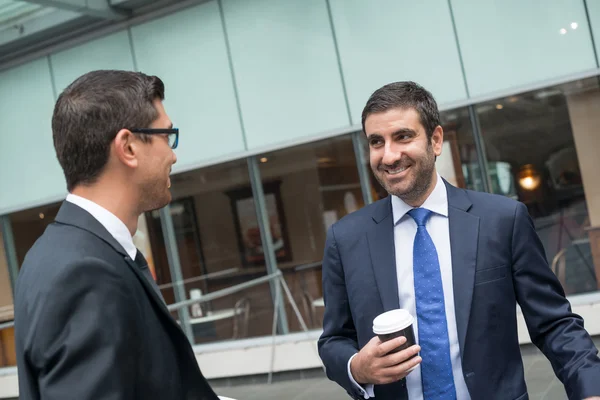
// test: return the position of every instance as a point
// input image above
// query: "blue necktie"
(436, 367)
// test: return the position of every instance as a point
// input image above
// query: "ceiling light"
(574, 25)
(563, 31)
(264, 160)
(529, 178)
(324, 160)
(42, 215)
(499, 106)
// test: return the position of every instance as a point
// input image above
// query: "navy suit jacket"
(89, 325)
(497, 262)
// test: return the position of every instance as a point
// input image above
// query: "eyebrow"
(404, 131)
(401, 131)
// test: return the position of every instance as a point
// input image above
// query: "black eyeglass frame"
(157, 131)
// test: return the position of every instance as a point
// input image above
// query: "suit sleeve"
(553, 327)
(339, 339)
(84, 345)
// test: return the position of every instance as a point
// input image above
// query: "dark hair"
(404, 95)
(92, 110)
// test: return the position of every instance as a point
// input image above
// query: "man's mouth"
(396, 171)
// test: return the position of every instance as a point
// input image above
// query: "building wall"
(269, 73)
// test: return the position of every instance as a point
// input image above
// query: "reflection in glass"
(459, 163)
(215, 228)
(7, 336)
(28, 226)
(317, 184)
(532, 145)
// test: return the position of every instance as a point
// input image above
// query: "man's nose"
(391, 155)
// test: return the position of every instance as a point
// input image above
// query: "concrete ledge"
(9, 385)
(254, 356)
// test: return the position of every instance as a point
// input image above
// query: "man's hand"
(588, 398)
(374, 365)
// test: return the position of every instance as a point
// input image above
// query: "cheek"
(375, 158)
(420, 153)
(374, 165)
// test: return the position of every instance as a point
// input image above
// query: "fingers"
(397, 372)
(385, 347)
(375, 364)
(400, 357)
(374, 342)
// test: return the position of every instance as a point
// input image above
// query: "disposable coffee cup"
(395, 323)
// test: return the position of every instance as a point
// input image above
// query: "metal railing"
(276, 277)
(7, 325)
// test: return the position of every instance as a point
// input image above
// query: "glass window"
(28, 226)
(7, 336)
(218, 241)
(541, 149)
(307, 189)
(458, 163)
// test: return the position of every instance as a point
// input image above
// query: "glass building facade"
(271, 153)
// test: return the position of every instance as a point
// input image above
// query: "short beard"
(153, 198)
(422, 182)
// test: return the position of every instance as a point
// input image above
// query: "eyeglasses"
(172, 134)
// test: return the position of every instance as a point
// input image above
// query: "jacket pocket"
(490, 274)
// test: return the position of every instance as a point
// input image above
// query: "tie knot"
(140, 260)
(420, 215)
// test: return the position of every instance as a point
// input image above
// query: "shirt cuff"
(365, 391)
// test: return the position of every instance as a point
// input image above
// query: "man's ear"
(437, 140)
(127, 147)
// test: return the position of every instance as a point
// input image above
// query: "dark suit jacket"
(89, 325)
(497, 262)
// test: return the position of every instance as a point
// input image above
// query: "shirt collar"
(437, 202)
(109, 221)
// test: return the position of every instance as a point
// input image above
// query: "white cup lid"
(392, 321)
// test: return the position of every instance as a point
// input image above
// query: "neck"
(114, 199)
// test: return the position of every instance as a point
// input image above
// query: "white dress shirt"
(405, 229)
(109, 221)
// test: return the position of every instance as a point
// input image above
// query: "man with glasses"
(90, 320)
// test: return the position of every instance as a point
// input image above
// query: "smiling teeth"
(396, 171)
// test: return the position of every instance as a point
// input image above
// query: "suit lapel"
(147, 285)
(464, 234)
(71, 214)
(383, 259)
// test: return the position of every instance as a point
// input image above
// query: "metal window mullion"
(480, 148)
(265, 236)
(363, 170)
(166, 222)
